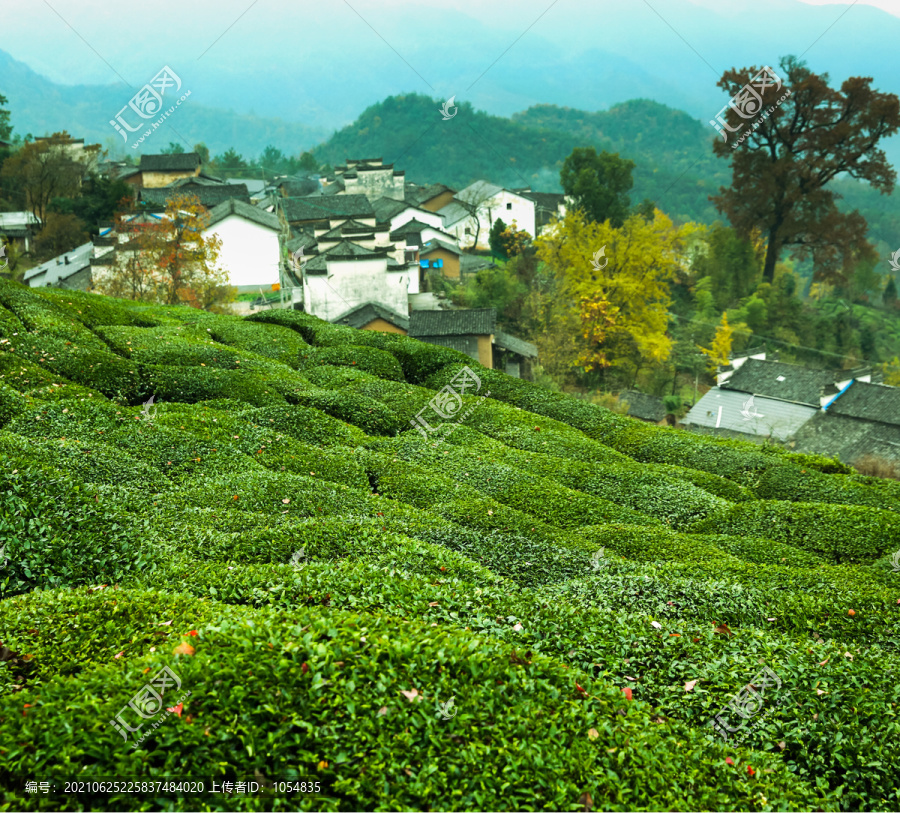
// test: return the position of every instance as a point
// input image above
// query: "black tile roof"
(361, 315)
(868, 402)
(506, 341)
(473, 322)
(386, 208)
(210, 195)
(175, 162)
(326, 208)
(848, 438)
(761, 377)
(245, 210)
(428, 192)
(643, 406)
(413, 226)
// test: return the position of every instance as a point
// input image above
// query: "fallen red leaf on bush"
(119, 654)
(177, 710)
(579, 689)
(750, 771)
(723, 629)
(183, 649)
(690, 684)
(26, 706)
(194, 633)
(410, 695)
(627, 692)
(729, 760)
(851, 612)
(305, 668)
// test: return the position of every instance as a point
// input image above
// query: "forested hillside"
(675, 165)
(541, 605)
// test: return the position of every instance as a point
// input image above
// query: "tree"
(477, 200)
(513, 241)
(43, 170)
(732, 264)
(308, 162)
(231, 163)
(5, 125)
(174, 148)
(889, 297)
(169, 260)
(781, 171)
(98, 202)
(628, 295)
(599, 184)
(720, 352)
(59, 234)
(494, 237)
(203, 151)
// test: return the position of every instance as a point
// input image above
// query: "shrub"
(839, 533)
(377, 362)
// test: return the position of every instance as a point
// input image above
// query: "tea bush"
(274, 517)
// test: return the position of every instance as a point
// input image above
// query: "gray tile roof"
(848, 438)
(426, 193)
(56, 270)
(775, 379)
(410, 227)
(733, 411)
(472, 322)
(643, 406)
(505, 341)
(868, 402)
(176, 162)
(245, 210)
(435, 243)
(327, 208)
(453, 212)
(361, 315)
(386, 208)
(210, 195)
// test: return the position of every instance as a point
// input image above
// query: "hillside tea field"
(269, 575)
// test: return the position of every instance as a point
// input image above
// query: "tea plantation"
(541, 606)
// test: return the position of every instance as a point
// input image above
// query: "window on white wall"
(508, 206)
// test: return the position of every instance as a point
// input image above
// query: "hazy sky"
(890, 6)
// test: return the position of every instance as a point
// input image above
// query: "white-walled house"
(348, 274)
(490, 203)
(250, 250)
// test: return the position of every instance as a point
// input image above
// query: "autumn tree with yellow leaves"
(618, 283)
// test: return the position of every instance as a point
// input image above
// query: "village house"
(469, 331)
(71, 270)
(19, 228)
(473, 210)
(155, 171)
(372, 316)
